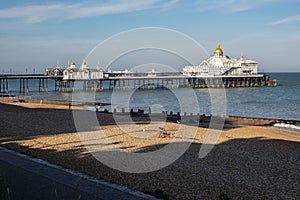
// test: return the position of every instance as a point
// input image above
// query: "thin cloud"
(13, 43)
(170, 4)
(231, 6)
(63, 11)
(31, 14)
(287, 20)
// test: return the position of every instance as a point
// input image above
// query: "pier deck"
(134, 82)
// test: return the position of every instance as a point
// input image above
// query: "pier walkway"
(131, 82)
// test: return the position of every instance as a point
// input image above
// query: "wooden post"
(47, 85)
(6, 85)
(55, 85)
(27, 87)
(3, 89)
(20, 82)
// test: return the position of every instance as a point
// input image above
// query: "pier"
(24, 82)
(218, 71)
(132, 82)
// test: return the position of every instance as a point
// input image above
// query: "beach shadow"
(253, 168)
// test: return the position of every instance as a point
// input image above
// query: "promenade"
(24, 177)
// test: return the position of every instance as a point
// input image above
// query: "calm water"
(281, 102)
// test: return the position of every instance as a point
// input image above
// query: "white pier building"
(83, 73)
(221, 65)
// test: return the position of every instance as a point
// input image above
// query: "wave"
(100, 108)
(287, 126)
(90, 108)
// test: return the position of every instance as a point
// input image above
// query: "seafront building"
(221, 65)
(83, 73)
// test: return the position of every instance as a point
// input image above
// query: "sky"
(37, 34)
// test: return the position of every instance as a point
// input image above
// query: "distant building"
(125, 72)
(153, 73)
(57, 71)
(83, 73)
(220, 65)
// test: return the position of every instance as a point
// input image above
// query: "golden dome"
(83, 63)
(72, 63)
(218, 49)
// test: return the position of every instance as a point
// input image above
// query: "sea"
(281, 102)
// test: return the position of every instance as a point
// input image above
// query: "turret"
(218, 51)
(242, 56)
(72, 65)
(84, 66)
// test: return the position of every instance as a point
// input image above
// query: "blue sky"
(35, 33)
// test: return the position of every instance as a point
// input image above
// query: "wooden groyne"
(203, 119)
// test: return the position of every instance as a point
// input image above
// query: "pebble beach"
(247, 162)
